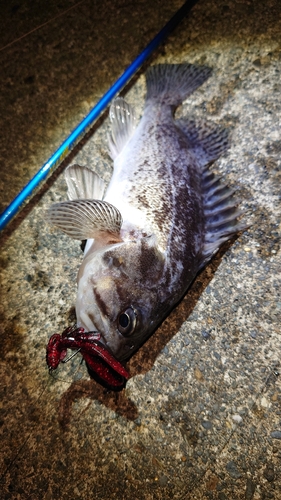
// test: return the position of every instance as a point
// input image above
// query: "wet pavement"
(201, 416)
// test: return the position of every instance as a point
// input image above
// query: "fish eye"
(127, 321)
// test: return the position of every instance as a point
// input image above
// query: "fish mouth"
(101, 363)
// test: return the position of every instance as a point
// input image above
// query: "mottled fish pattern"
(162, 217)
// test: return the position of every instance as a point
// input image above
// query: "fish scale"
(162, 217)
(160, 189)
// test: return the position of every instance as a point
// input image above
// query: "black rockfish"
(162, 217)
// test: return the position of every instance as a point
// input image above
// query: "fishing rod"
(84, 126)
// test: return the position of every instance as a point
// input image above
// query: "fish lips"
(102, 365)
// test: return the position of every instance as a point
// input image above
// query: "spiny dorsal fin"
(83, 183)
(84, 219)
(170, 84)
(221, 214)
(207, 140)
(123, 124)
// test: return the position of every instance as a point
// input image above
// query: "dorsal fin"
(83, 183)
(123, 124)
(207, 140)
(221, 214)
(85, 219)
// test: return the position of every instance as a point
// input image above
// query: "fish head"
(118, 294)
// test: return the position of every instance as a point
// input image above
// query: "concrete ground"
(200, 418)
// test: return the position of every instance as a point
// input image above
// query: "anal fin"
(123, 123)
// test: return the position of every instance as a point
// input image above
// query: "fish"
(161, 219)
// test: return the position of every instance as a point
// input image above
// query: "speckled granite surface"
(201, 416)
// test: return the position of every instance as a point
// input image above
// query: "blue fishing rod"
(84, 126)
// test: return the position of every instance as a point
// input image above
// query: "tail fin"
(170, 84)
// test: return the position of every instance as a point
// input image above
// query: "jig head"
(100, 362)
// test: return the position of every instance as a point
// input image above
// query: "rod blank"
(84, 126)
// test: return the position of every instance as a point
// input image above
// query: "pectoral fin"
(85, 219)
